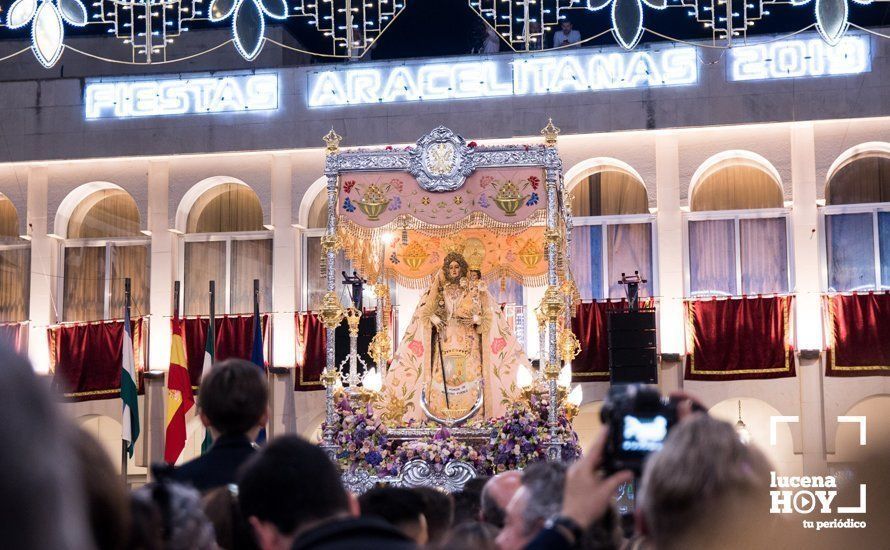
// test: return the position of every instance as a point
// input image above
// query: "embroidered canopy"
(489, 203)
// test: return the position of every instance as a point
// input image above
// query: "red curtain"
(311, 354)
(87, 358)
(739, 339)
(590, 325)
(234, 338)
(14, 336)
(859, 335)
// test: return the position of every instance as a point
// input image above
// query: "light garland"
(353, 27)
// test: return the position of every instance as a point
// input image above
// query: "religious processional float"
(458, 398)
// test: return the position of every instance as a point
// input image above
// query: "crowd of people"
(704, 489)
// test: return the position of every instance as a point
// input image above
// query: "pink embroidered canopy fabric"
(506, 195)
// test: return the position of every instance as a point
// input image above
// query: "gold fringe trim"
(475, 220)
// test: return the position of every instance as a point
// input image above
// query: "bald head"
(496, 495)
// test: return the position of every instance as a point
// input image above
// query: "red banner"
(591, 325)
(234, 338)
(14, 336)
(739, 339)
(312, 341)
(87, 357)
(311, 352)
(858, 334)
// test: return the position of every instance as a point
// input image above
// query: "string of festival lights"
(352, 27)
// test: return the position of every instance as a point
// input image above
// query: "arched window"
(226, 242)
(857, 221)
(613, 231)
(103, 247)
(15, 266)
(737, 229)
(314, 282)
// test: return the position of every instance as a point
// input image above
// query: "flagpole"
(176, 299)
(209, 357)
(127, 318)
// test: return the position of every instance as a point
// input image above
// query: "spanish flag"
(179, 396)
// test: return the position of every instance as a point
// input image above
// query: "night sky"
(430, 28)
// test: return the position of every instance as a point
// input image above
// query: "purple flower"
(394, 259)
(348, 206)
(532, 200)
(483, 200)
(395, 204)
(374, 458)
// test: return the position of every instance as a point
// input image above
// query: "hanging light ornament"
(47, 30)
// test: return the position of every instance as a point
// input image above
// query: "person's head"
(221, 508)
(233, 398)
(566, 26)
(475, 275)
(496, 495)
(438, 509)
(455, 267)
(402, 508)
(183, 525)
(472, 535)
(468, 502)
(108, 504)
(43, 493)
(288, 487)
(539, 497)
(702, 477)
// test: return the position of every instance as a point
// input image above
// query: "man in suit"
(233, 404)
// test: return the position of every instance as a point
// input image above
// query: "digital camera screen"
(644, 435)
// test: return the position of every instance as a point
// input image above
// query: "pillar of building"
(669, 221)
(163, 255)
(284, 273)
(808, 314)
(43, 261)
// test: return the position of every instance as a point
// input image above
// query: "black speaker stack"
(633, 357)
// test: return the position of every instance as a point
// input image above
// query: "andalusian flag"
(129, 395)
(179, 396)
(209, 347)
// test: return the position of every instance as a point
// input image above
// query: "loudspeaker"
(633, 356)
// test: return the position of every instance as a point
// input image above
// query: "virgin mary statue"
(458, 358)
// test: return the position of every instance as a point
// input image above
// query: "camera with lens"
(639, 419)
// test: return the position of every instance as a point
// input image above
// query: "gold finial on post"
(550, 133)
(332, 311)
(332, 142)
(353, 317)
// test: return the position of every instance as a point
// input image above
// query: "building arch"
(735, 180)
(198, 193)
(861, 174)
(756, 414)
(80, 201)
(307, 215)
(606, 186)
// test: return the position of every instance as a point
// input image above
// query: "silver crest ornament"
(441, 161)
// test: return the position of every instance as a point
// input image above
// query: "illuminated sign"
(800, 58)
(532, 75)
(179, 96)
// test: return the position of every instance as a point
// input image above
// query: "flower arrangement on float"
(517, 439)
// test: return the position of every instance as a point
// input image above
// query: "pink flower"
(416, 347)
(534, 181)
(471, 144)
(497, 345)
(348, 185)
(486, 181)
(397, 183)
(389, 147)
